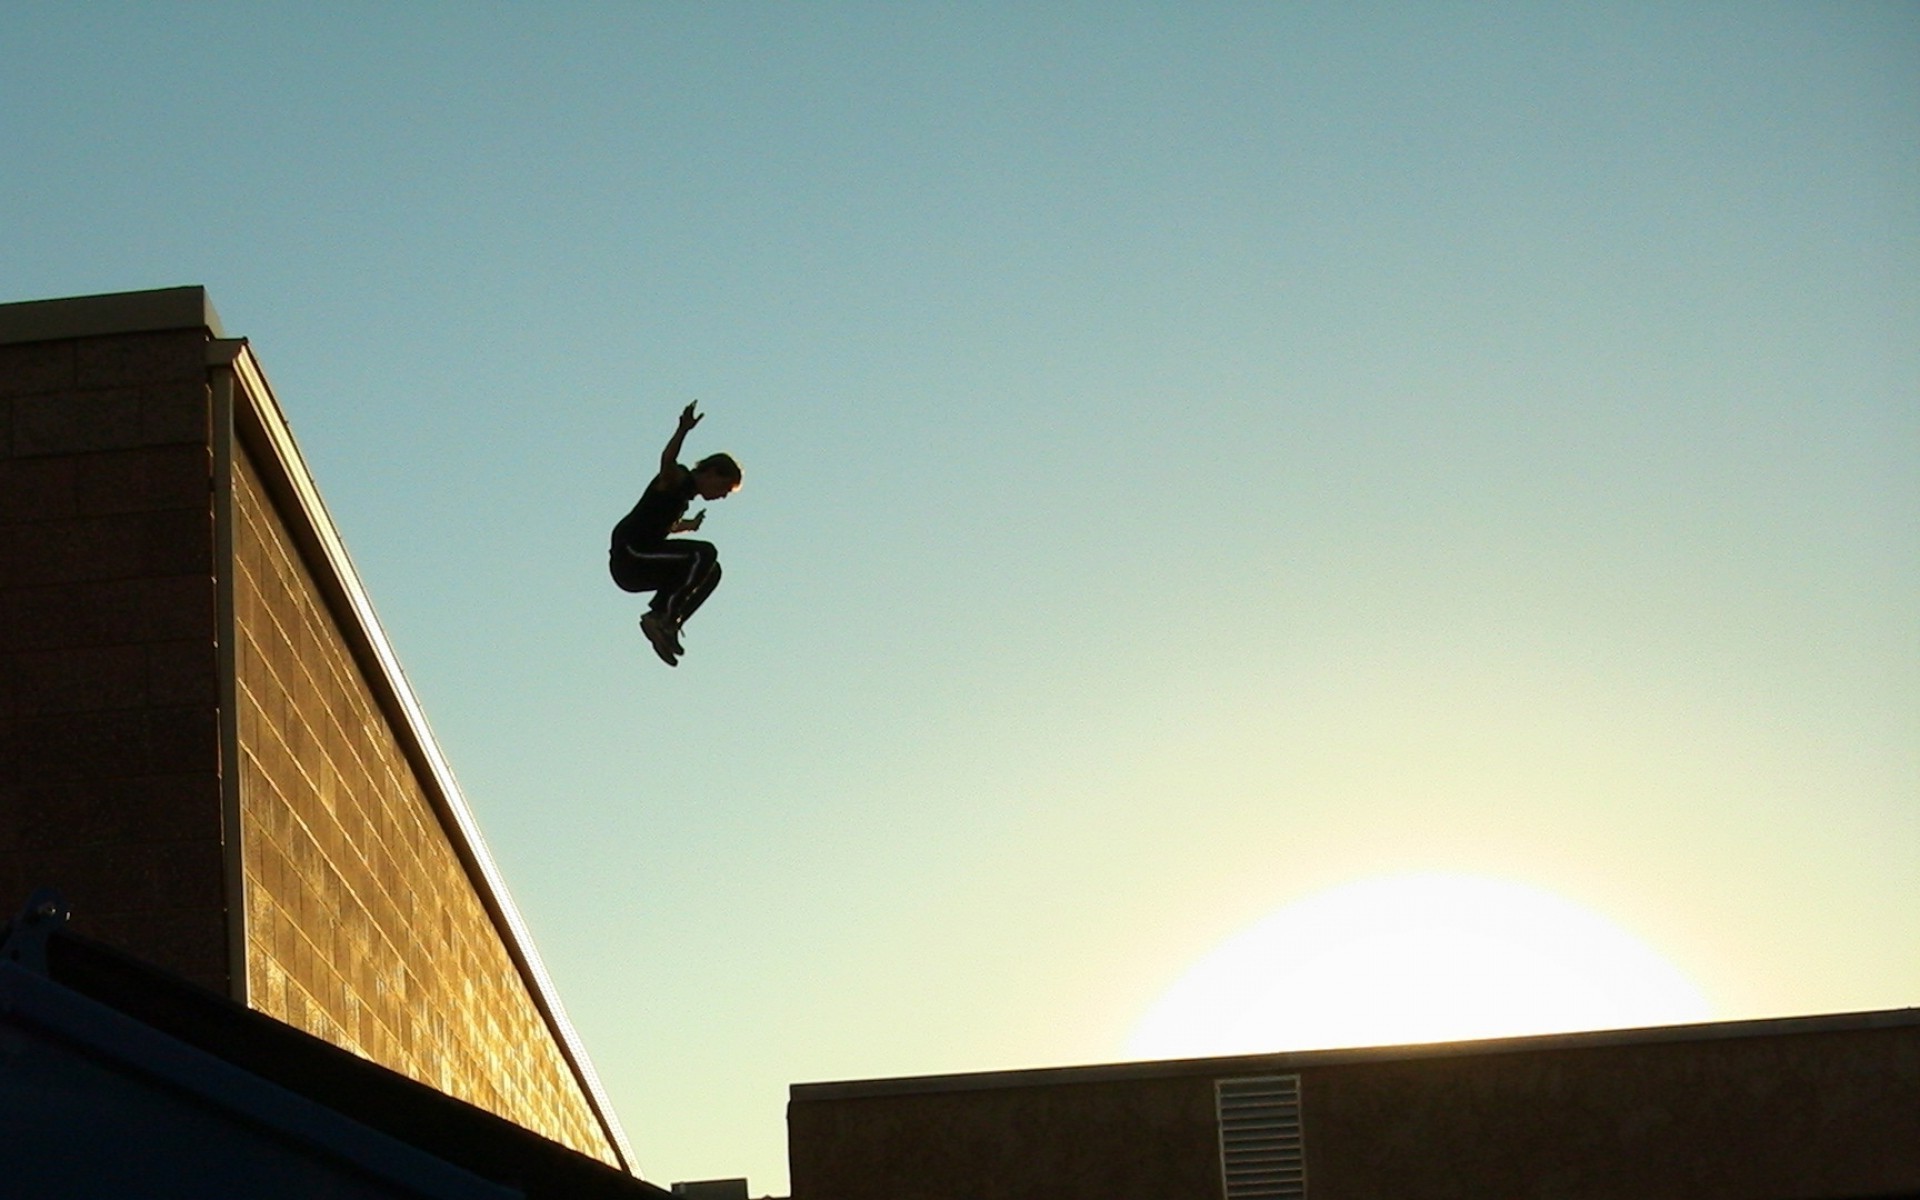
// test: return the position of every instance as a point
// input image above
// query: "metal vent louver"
(1262, 1155)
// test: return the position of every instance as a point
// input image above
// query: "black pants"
(680, 572)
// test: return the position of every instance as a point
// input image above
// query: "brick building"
(1810, 1108)
(206, 744)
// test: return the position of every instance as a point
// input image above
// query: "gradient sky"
(1197, 455)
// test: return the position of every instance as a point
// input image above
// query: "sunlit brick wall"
(363, 926)
(109, 761)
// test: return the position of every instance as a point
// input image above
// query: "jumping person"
(680, 572)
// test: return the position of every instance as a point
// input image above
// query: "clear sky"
(1197, 456)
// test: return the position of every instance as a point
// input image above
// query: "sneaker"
(660, 636)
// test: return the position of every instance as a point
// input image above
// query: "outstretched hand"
(670, 468)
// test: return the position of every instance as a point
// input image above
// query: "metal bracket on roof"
(27, 933)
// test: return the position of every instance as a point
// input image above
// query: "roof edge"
(272, 438)
(151, 311)
(1894, 1018)
(134, 1048)
(377, 1096)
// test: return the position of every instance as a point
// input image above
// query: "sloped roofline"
(258, 420)
(261, 424)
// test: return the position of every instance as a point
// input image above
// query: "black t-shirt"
(653, 516)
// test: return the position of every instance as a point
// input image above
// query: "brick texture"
(363, 926)
(109, 743)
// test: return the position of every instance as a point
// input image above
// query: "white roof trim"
(336, 573)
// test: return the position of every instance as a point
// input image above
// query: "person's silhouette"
(680, 572)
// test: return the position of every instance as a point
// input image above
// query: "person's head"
(716, 477)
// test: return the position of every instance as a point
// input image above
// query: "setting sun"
(1415, 958)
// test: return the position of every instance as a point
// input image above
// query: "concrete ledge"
(119, 312)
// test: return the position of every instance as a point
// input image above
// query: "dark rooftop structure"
(1804, 1108)
(122, 1079)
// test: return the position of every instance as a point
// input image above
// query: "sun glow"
(1415, 958)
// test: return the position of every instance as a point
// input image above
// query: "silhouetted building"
(1812, 1108)
(206, 743)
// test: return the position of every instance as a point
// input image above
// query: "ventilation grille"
(1262, 1155)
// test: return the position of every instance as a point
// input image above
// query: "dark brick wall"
(1151, 1139)
(1765, 1118)
(109, 743)
(1823, 1113)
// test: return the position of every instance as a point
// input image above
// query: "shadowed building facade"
(206, 743)
(1810, 1108)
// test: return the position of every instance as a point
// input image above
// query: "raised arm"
(670, 457)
